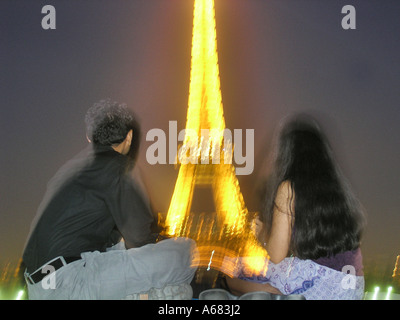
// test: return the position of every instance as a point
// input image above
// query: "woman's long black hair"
(327, 218)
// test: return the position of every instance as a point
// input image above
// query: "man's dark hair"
(108, 123)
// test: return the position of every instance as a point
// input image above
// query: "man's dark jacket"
(89, 204)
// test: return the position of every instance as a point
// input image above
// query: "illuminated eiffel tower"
(396, 273)
(223, 237)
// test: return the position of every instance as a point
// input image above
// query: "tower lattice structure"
(396, 273)
(223, 237)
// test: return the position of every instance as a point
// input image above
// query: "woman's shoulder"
(285, 187)
(284, 200)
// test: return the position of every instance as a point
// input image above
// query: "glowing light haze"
(275, 57)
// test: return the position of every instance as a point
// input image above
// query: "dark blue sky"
(276, 57)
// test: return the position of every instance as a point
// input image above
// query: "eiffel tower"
(223, 237)
(396, 273)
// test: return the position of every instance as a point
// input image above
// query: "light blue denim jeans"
(119, 273)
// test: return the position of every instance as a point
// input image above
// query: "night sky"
(276, 57)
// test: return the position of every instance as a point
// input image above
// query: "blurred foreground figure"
(313, 222)
(94, 235)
